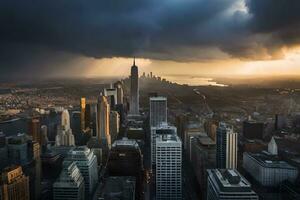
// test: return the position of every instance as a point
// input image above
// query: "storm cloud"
(34, 32)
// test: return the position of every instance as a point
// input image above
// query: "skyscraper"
(120, 93)
(82, 113)
(163, 129)
(70, 184)
(86, 162)
(158, 111)
(103, 111)
(225, 184)
(14, 185)
(114, 125)
(226, 147)
(111, 95)
(168, 167)
(18, 150)
(134, 90)
(35, 130)
(64, 135)
(87, 117)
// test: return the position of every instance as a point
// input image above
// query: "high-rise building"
(112, 96)
(64, 135)
(33, 169)
(114, 125)
(134, 90)
(82, 113)
(87, 117)
(158, 111)
(70, 184)
(18, 150)
(86, 162)
(103, 111)
(226, 147)
(126, 159)
(14, 185)
(203, 157)
(225, 184)
(163, 129)
(120, 93)
(35, 130)
(44, 135)
(168, 167)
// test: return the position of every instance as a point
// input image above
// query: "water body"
(193, 80)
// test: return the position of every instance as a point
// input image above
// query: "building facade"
(226, 147)
(168, 167)
(158, 111)
(70, 183)
(64, 135)
(103, 112)
(267, 169)
(86, 162)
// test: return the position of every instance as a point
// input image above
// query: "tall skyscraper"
(114, 125)
(86, 162)
(33, 169)
(223, 184)
(158, 111)
(103, 111)
(35, 130)
(126, 159)
(168, 167)
(14, 185)
(134, 90)
(64, 135)
(163, 129)
(88, 116)
(82, 113)
(226, 147)
(70, 184)
(111, 95)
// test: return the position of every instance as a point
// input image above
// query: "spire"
(134, 61)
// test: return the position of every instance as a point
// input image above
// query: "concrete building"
(103, 111)
(226, 147)
(70, 183)
(267, 169)
(223, 184)
(120, 93)
(158, 111)
(168, 167)
(126, 159)
(203, 157)
(134, 90)
(163, 129)
(64, 135)
(14, 185)
(114, 125)
(272, 147)
(35, 130)
(18, 150)
(111, 95)
(86, 162)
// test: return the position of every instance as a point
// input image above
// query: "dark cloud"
(34, 32)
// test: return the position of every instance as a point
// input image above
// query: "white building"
(70, 183)
(86, 162)
(163, 129)
(267, 169)
(168, 167)
(158, 111)
(224, 184)
(64, 135)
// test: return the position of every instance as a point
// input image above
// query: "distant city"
(145, 138)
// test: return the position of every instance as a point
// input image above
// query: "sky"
(95, 38)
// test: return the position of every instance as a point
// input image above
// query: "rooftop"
(125, 142)
(158, 98)
(270, 161)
